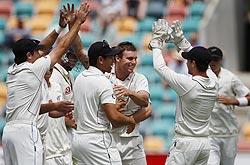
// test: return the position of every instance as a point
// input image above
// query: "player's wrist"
(243, 101)
(58, 29)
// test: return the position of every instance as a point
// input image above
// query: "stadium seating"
(24, 9)
(5, 8)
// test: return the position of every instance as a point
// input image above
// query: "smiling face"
(127, 61)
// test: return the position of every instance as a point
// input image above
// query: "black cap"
(216, 53)
(23, 46)
(102, 48)
(198, 54)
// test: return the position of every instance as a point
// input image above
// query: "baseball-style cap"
(102, 48)
(216, 53)
(199, 54)
(23, 46)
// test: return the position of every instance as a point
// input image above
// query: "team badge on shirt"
(67, 90)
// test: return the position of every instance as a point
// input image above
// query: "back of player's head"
(216, 53)
(101, 48)
(24, 46)
(200, 55)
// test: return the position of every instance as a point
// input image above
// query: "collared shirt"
(135, 82)
(42, 121)
(197, 96)
(24, 83)
(57, 141)
(65, 80)
(224, 121)
(91, 90)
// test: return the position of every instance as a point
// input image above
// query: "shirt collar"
(95, 70)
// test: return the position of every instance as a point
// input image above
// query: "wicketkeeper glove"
(159, 34)
(178, 37)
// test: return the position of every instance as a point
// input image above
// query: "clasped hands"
(162, 32)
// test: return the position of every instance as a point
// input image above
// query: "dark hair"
(201, 66)
(23, 46)
(93, 61)
(101, 48)
(126, 45)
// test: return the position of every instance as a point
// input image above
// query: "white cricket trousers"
(189, 151)
(95, 149)
(65, 159)
(223, 150)
(22, 144)
(131, 149)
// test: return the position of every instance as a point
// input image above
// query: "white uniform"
(58, 147)
(224, 127)
(130, 146)
(42, 122)
(21, 139)
(93, 143)
(196, 100)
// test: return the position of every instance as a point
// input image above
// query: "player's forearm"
(56, 114)
(47, 107)
(49, 40)
(119, 120)
(143, 114)
(83, 58)
(140, 99)
(65, 42)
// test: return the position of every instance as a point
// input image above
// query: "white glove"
(178, 37)
(159, 34)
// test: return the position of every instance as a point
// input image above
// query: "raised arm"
(176, 81)
(68, 38)
(178, 37)
(77, 44)
(49, 40)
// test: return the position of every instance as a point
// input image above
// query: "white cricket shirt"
(135, 82)
(91, 90)
(65, 80)
(57, 141)
(24, 83)
(224, 121)
(197, 96)
(42, 121)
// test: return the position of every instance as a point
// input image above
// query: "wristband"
(243, 101)
(59, 29)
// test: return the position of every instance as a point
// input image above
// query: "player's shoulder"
(227, 73)
(139, 75)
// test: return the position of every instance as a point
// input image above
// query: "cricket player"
(224, 128)
(133, 87)
(96, 109)
(58, 139)
(21, 139)
(197, 95)
(58, 147)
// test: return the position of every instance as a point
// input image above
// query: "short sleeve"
(142, 83)
(41, 66)
(106, 92)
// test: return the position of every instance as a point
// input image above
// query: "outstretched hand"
(69, 13)
(83, 12)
